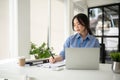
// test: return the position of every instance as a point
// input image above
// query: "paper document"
(51, 65)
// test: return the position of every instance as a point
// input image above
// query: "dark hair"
(83, 20)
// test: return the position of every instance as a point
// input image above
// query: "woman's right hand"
(55, 59)
(52, 60)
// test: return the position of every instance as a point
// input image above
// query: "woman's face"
(78, 27)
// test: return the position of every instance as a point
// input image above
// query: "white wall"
(4, 29)
(23, 27)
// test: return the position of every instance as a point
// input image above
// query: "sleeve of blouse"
(66, 45)
(97, 44)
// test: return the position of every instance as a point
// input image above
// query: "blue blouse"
(76, 41)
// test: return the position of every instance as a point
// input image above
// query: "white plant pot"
(116, 67)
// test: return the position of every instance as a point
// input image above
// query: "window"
(104, 23)
(40, 22)
(57, 25)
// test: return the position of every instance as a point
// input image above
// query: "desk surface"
(11, 70)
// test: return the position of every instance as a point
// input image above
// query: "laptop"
(82, 58)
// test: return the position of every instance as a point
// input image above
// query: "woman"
(82, 38)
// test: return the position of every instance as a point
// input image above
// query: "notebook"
(82, 58)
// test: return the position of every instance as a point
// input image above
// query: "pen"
(52, 55)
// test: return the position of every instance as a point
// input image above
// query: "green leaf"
(115, 56)
(33, 46)
(41, 51)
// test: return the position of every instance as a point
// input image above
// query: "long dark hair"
(83, 20)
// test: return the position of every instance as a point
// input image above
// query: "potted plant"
(41, 51)
(115, 56)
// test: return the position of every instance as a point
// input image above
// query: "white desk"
(12, 71)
